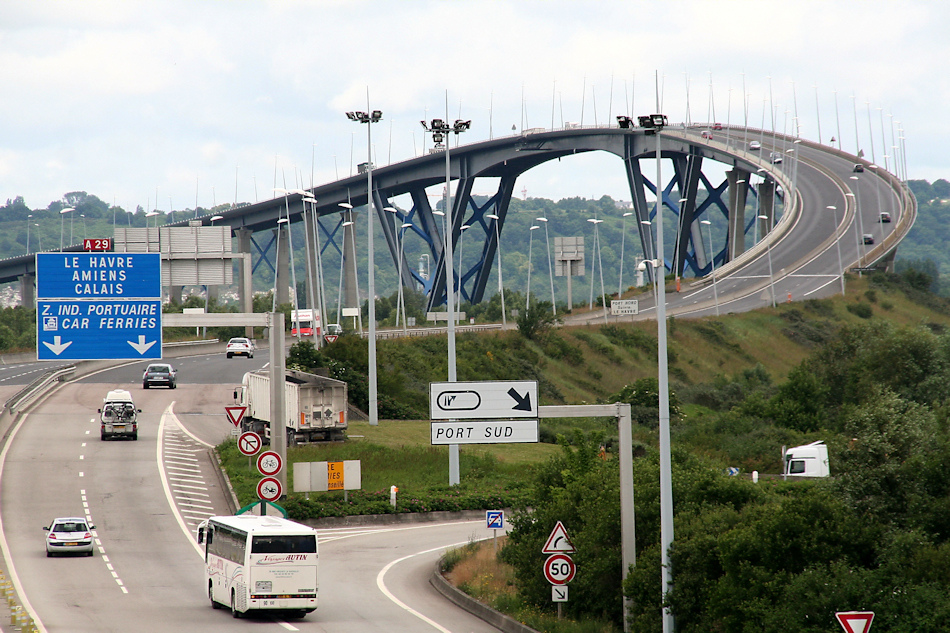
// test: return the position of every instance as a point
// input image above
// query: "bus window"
(304, 544)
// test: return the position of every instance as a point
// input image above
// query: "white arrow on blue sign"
(99, 330)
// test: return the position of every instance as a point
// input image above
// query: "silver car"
(69, 535)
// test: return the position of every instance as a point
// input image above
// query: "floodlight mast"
(439, 128)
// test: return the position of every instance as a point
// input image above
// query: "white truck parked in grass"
(118, 416)
(315, 406)
(810, 460)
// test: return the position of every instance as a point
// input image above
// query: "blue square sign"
(99, 330)
(98, 276)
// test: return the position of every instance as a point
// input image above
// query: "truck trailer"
(315, 406)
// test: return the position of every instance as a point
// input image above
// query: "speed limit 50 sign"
(559, 569)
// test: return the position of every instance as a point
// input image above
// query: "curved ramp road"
(145, 499)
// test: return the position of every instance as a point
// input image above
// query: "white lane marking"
(166, 415)
(380, 582)
(7, 558)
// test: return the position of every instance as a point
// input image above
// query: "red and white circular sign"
(559, 569)
(269, 463)
(249, 443)
(269, 489)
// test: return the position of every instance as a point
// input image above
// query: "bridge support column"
(174, 294)
(245, 285)
(737, 196)
(27, 291)
(282, 285)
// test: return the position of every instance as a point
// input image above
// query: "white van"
(118, 416)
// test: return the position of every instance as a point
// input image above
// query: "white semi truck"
(315, 406)
(810, 460)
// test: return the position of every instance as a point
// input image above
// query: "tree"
(536, 320)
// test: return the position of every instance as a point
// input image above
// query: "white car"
(240, 347)
(754, 146)
(69, 535)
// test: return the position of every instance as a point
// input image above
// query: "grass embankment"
(587, 365)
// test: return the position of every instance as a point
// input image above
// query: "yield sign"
(235, 414)
(330, 338)
(559, 542)
(855, 621)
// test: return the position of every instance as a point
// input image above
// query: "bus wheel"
(214, 605)
(234, 612)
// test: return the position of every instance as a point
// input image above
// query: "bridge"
(796, 226)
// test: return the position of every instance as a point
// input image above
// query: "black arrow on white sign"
(523, 402)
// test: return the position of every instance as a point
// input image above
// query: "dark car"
(858, 168)
(161, 374)
(885, 217)
(868, 238)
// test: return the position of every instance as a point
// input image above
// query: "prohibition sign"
(269, 463)
(269, 489)
(249, 443)
(559, 569)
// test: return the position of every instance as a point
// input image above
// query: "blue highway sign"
(495, 519)
(98, 276)
(99, 330)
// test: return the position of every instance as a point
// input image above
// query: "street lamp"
(39, 238)
(501, 289)
(62, 218)
(600, 261)
(623, 239)
(458, 295)
(857, 213)
(400, 236)
(280, 222)
(768, 246)
(834, 210)
(374, 117)
(83, 216)
(28, 222)
(712, 261)
(439, 129)
(547, 242)
(216, 217)
(527, 299)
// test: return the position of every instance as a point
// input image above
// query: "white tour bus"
(260, 562)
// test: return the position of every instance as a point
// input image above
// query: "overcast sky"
(178, 100)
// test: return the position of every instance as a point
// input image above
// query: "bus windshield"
(302, 544)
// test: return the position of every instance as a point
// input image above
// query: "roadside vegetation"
(867, 374)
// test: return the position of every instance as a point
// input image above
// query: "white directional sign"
(483, 400)
(624, 307)
(485, 432)
(558, 593)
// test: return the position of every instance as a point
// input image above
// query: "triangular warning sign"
(235, 414)
(559, 542)
(855, 621)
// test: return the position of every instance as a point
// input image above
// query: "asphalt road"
(146, 497)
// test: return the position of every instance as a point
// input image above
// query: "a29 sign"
(559, 569)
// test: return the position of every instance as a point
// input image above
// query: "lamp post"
(458, 292)
(29, 220)
(547, 242)
(768, 246)
(39, 238)
(527, 300)
(62, 218)
(83, 216)
(439, 129)
(834, 210)
(321, 288)
(369, 118)
(623, 239)
(216, 217)
(280, 223)
(600, 261)
(712, 261)
(857, 212)
(655, 124)
(501, 289)
(402, 294)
